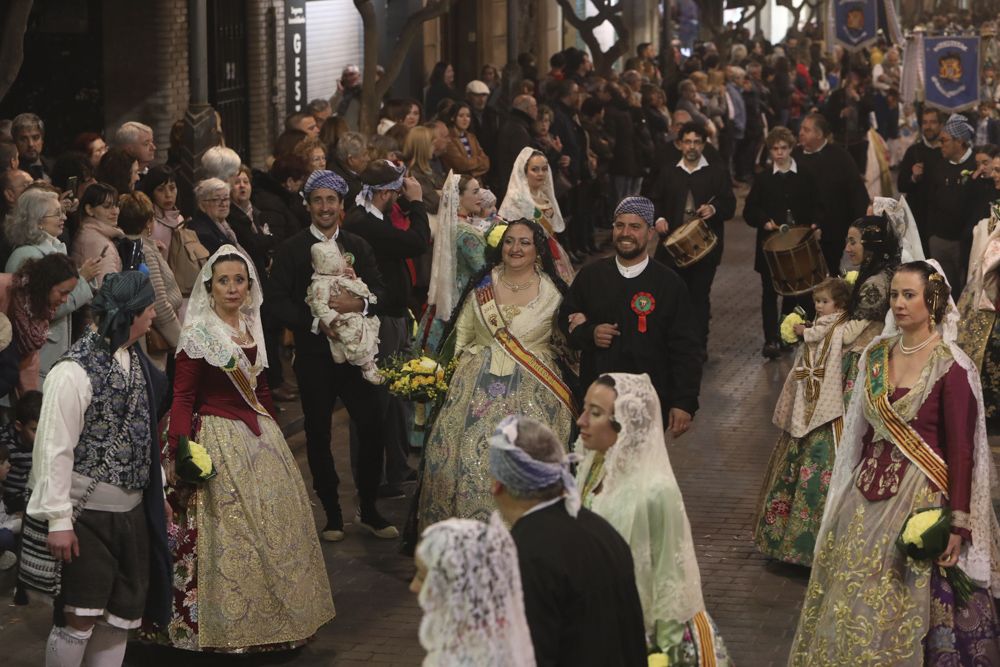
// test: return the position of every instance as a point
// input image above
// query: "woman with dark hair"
(392, 112)
(160, 185)
(913, 439)
(92, 145)
(119, 170)
(276, 192)
(872, 246)
(503, 329)
(440, 86)
(32, 298)
(464, 155)
(414, 112)
(98, 230)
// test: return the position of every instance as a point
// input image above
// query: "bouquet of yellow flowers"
(194, 465)
(851, 277)
(788, 334)
(925, 536)
(423, 380)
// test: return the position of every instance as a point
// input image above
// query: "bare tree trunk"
(15, 23)
(603, 60)
(372, 90)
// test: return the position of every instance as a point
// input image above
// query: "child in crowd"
(19, 438)
(357, 342)
(10, 524)
(810, 415)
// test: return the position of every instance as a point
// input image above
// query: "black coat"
(771, 198)
(580, 597)
(286, 212)
(515, 136)
(633, 147)
(843, 197)
(566, 126)
(486, 127)
(353, 182)
(948, 192)
(257, 244)
(916, 190)
(208, 232)
(291, 275)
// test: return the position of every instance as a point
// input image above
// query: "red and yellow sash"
(903, 435)
(244, 386)
(704, 639)
(490, 312)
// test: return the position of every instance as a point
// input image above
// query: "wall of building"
(265, 75)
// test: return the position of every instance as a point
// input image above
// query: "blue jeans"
(7, 540)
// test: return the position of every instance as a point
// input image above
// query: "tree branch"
(603, 60)
(15, 23)
(414, 24)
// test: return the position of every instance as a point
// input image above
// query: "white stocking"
(107, 647)
(66, 646)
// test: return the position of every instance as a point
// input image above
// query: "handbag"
(39, 569)
(186, 257)
(155, 342)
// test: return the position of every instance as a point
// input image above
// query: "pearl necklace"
(916, 348)
(516, 287)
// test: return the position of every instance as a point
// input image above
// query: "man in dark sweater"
(695, 188)
(383, 183)
(577, 572)
(842, 194)
(321, 380)
(515, 135)
(638, 318)
(947, 185)
(918, 160)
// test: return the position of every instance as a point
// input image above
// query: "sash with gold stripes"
(903, 435)
(244, 386)
(490, 312)
(704, 640)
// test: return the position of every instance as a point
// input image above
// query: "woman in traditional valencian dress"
(872, 246)
(459, 254)
(626, 477)
(531, 195)
(248, 571)
(506, 365)
(913, 438)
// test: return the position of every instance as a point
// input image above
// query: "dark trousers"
(832, 253)
(272, 343)
(321, 382)
(699, 278)
(581, 229)
(746, 156)
(7, 540)
(769, 307)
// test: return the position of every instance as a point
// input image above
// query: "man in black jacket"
(515, 136)
(383, 183)
(948, 185)
(276, 192)
(695, 188)
(917, 161)
(321, 380)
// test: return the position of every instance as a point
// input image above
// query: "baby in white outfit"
(357, 335)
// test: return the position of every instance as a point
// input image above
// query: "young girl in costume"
(809, 413)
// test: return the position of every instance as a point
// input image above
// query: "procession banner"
(951, 72)
(854, 22)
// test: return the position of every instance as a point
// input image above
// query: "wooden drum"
(795, 261)
(690, 242)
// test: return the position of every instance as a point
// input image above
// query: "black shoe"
(390, 492)
(771, 350)
(334, 530)
(377, 525)
(411, 477)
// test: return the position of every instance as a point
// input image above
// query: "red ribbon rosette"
(642, 305)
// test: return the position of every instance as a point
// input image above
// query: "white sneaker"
(7, 560)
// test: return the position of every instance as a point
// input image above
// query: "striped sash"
(903, 435)
(38, 569)
(490, 312)
(704, 640)
(245, 386)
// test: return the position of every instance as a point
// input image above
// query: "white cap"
(477, 87)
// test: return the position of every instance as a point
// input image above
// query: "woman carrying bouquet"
(506, 365)
(248, 571)
(914, 438)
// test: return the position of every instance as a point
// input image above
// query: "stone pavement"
(719, 465)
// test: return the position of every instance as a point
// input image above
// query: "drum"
(795, 261)
(690, 242)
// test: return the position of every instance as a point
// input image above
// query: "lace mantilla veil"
(980, 559)
(442, 285)
(204, 335)
(518, 202)
(903, 226)
(472, 598)
(638, 478)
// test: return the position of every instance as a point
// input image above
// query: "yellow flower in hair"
(496, 235)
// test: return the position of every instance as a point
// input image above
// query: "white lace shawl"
(205, 336)
(980, 559)
(472, 598)
(903, 226)
(441, 293)
(518, 202)
(983, 261)
(641, 499)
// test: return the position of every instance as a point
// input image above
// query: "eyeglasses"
(59, 215)
(218, 200)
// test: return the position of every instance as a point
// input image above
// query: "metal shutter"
(333, 40)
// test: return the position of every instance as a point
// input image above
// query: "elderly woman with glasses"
(33, 231)
(209, 221)
(98, 231)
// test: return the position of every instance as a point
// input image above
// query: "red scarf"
(400, 221)
(30, 332)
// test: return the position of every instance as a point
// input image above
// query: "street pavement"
(719, 465)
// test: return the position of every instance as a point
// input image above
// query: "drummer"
(781, 196)
(631, 314)
(694, 189)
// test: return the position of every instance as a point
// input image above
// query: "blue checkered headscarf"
(639, 206)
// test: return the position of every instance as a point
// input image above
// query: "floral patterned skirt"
(248, 571)
(455, 478)
(793, 496)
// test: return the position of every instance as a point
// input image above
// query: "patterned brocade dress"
(488, 385)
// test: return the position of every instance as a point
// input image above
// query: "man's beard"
(637, 249)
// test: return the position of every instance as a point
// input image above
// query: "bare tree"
(371, 90)
(606, 11)
(15, 23)
(796, 7)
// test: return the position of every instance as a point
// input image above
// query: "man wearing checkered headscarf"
(949, 186)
